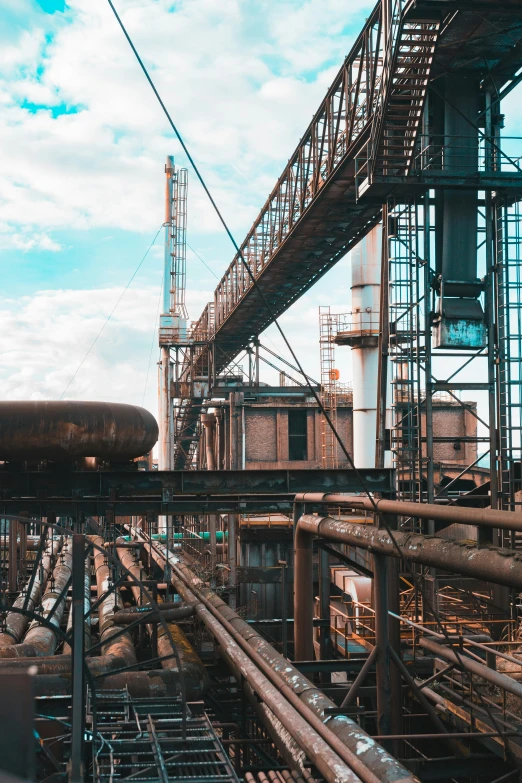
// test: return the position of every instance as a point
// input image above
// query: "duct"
(15, 623)
(492, 564)
(498, 679)
(377, 764)
(482, 517)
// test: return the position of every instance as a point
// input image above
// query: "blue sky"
(83, 149)
(84, 144)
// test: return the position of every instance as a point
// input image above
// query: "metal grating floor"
(143, 740)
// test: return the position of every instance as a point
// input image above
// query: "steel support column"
(76, 774)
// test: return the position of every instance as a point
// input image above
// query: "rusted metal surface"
(63, 430)
(330, 765)
(194, 672)
(120, 652)
(127, 616)
(192, 669)
(501, 566)
(41, 639)
(463, 661)
(483, 517)
(303, 596)
(365, 753)
(15, 623)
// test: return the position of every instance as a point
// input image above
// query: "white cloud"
(242, 78)
(45, 338)
(230, 73)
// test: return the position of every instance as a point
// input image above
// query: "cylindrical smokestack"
(366, 277)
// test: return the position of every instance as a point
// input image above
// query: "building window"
(297, 435)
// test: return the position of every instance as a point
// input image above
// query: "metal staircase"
(397, 129)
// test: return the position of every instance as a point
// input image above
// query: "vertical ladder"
(508, 236)
(327, 330)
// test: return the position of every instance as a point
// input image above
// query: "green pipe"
(177, 536)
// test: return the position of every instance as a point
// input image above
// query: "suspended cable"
(111, 314)
(203, 262)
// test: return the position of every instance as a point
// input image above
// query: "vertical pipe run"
(303, 596)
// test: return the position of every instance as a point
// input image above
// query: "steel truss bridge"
(362, 146)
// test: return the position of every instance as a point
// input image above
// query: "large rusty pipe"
(40, 639)
(193, 670)
(15, 623)
(31, 543)
(208, 421)
(329, 764)
(303, 596)
(67, 429)
(481, 517)
(121, 650)
(367, 755)
(498, 679)
(492, 564)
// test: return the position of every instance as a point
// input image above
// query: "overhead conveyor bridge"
(364, 142)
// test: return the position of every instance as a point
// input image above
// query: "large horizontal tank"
(65, 430)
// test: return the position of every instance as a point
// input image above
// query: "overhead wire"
(274, 320)
(110, 314)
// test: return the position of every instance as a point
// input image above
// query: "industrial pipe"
(193, 670)
(15, 623)
(482, 517)
(128, 616)
(498, 679)
(369, 757)
(208, 420)
(120, 652)
(66, 429)
(492, 564)
(329, 764)
(41, 640)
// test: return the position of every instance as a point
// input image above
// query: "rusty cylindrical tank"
(64, 430)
